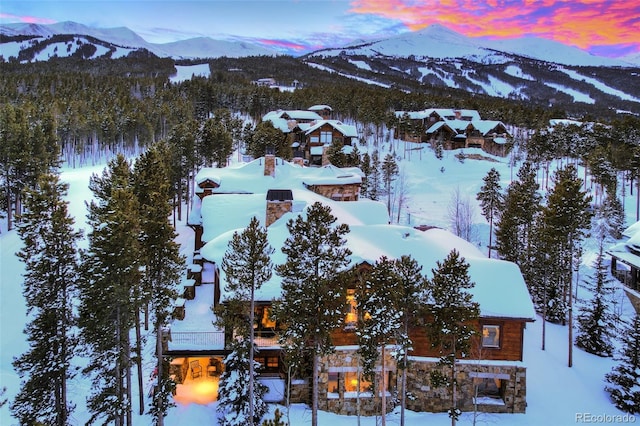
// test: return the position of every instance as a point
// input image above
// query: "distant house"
(492, 378)
(267, 81)
(312, 131)
(453, 129)
(625, 263)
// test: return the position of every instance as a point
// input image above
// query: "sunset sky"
(603, 27)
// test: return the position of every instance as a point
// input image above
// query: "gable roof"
(347, 130)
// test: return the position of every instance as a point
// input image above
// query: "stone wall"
(421, 396)
(425, 398)
(347, 192)
(345, 360)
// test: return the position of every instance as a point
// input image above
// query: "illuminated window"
(351, 383)
(490, 336)
(352, 312)
(272, 362)
(265, 320)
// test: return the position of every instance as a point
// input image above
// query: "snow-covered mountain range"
(122, 37)
(524, 68)
(435, 42)
(439, 42)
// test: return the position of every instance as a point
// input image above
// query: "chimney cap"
(279, 195)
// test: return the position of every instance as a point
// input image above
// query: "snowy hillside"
(51, 47)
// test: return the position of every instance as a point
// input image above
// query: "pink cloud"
(26, 19)
(583, 23)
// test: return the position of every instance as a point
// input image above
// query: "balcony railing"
(196, 340)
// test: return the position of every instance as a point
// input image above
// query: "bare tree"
(401, 192)
(461, 215)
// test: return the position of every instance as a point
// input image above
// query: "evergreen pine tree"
(312, 304)
(514, 228)
(389, 174)
(335, 154)
(566, 217)
(365, 166)
(50, 286)
(374, 180)
(596, 322)
(624, 379)
(412, 294)
(247, 265)
(233, 388)
(452, 311)
(378, 299)
(108, 294)
(161, 259)
(490, 197)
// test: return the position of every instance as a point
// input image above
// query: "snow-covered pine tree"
(110, 273)
(624, 379)
(374, 180)
(233, 391)
(389, 173)
(214, 144)
(365, 166)
(161, 260)
(413, 292)
(378, 328)
(514, 229)
(312, 282)
(596, 322)
(566, 217)
(451, 310)
(50, 286)
(335, 154)
(247, 265)
(491, 199)
(613, 212)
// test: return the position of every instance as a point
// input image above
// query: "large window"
(351, 382)
(352, 312)
(490, 336)
(326, 137)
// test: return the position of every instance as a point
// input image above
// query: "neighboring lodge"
(275, 191)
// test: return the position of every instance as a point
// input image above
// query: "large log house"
(274, 191)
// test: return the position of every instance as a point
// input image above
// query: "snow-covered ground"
(556, 394)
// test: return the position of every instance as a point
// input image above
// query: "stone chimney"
(298, 158)
(269, 164)
(279, 202)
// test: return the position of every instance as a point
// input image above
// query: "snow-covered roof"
(348, 130)
(242, 189)
(444, 113)
(293, 114)
(487, 126)
(499, 286)
(434, 128)
(320, 108)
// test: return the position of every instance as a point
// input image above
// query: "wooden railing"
(197, 339)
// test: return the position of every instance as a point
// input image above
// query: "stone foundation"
(512, 378)
(509, 378)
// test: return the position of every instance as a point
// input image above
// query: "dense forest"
(86, 110)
